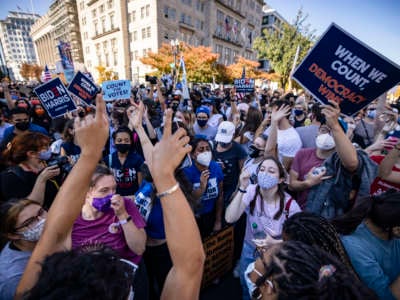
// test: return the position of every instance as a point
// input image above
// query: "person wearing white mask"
(207, 177)
(266, 205)
(22, 223)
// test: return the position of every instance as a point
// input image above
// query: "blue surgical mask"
(45, 154)
(266, 181)
(371, 114)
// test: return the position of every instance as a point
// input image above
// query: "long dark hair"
(281, 189)
(253, 120)
(383, 210)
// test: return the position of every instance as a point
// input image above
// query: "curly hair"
(75, 275)
(295, 268)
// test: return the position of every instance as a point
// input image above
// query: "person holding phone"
(207, 177)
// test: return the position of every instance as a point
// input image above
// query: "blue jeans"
(246, 258)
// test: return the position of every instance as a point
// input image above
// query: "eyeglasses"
(28, 222)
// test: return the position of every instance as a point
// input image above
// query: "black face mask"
(254, 152)
(22, 126)
(81, 114)
(224, 145)
(123, 148)
(202, 123)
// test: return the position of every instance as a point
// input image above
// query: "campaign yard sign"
(244, 85)
(82, 87)
(116, 89)
(341, 68)
(55, 98)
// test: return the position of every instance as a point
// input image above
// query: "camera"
(318, 171)
(151, 79)
(62, 162)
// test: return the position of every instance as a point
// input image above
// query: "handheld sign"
(82, 87)
(55, 98)
(116, 89)
(244, 85)
(341, 68)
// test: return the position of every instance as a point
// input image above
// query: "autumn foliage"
(30, 71)
(105, 75)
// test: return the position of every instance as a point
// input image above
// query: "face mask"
(251, 286)
(81, 114)
(224, 145)
(22, 105)
(33, 234)
(102, 204)
(266, 181)
(39, 112)
(298, 112)
(22, 126)
(123, 148)
(202, 123)
(325, 141)
(204, 158)
(254, 152)
(45, 154)
(371, 114)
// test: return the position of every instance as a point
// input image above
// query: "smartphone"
(187, 161)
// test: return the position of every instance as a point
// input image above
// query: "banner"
(244, 85)
(343, 69)
(219, 255)
(64, 49)
(55, 98)
(82, 87)
(116, 89)
(185, 90)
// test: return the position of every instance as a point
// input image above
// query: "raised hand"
(136, 116)
(91, 133)
(280, 113)
(331, 113)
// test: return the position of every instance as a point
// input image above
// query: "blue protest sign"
(55, 98)
(343, 69)
(244, 85)
(82, 87)
(116, 89)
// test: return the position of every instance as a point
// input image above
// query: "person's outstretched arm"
(91, 135)
(182, 234)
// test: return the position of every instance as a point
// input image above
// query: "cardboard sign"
(244, 85)
(116, 89)
(343, 69)
(55, 98)
(219, 255)
(82, 87)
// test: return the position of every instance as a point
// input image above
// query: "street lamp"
(175, 51)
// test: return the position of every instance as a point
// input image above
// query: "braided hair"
(295, 268)
(315, 230)
(281, 189)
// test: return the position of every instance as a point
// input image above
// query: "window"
(84, 21)
(103, 24)
(107, 59)
(115, 58)
(96, 29)
(97, 47)
(135, 35)
(147, 10)
(134, 16)
(81, 5)
(136, 54)
(85, 35)
(87, 50)
(148, 29)
(143, 33)
(113, 43)
(110, 3)
(166, 11)
(148, 50)
(144, 52)
(94, 13)
(142, 12)
(105, 44)
(101, 8)
(112, 21)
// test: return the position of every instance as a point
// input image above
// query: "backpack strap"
(287, 207)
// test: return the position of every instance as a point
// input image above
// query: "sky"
(374, 22)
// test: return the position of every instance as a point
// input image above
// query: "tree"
(36, 71)
(105, 75)
(26, 71)
(279, 47)
(201, 63)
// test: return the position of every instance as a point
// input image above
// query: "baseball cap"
(225, 132)
(203, 109)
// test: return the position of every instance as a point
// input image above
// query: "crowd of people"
(113, 201)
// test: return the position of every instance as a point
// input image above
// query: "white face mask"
(325, 141)
(33, 234)
(204, 158)
(251, 286)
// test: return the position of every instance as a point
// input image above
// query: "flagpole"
(33, 10)
(296, 57)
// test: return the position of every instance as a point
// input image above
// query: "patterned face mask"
(266, 181)
(33, 234)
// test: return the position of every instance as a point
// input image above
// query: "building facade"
(16, 43)
(271, 21)
(60, 23)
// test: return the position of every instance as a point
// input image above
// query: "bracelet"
(169, 191)
(122, 222)
(242, 191)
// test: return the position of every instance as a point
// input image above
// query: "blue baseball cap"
(203, 109)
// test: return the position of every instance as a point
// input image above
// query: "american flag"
(46, 75)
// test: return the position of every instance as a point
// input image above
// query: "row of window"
(105, 59)
(135, 54)
(146, 33)
(226, 55)
(113, 44)
(101, 9)
(144, 12)
(103, 27)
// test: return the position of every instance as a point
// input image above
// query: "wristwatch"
(122, 222)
